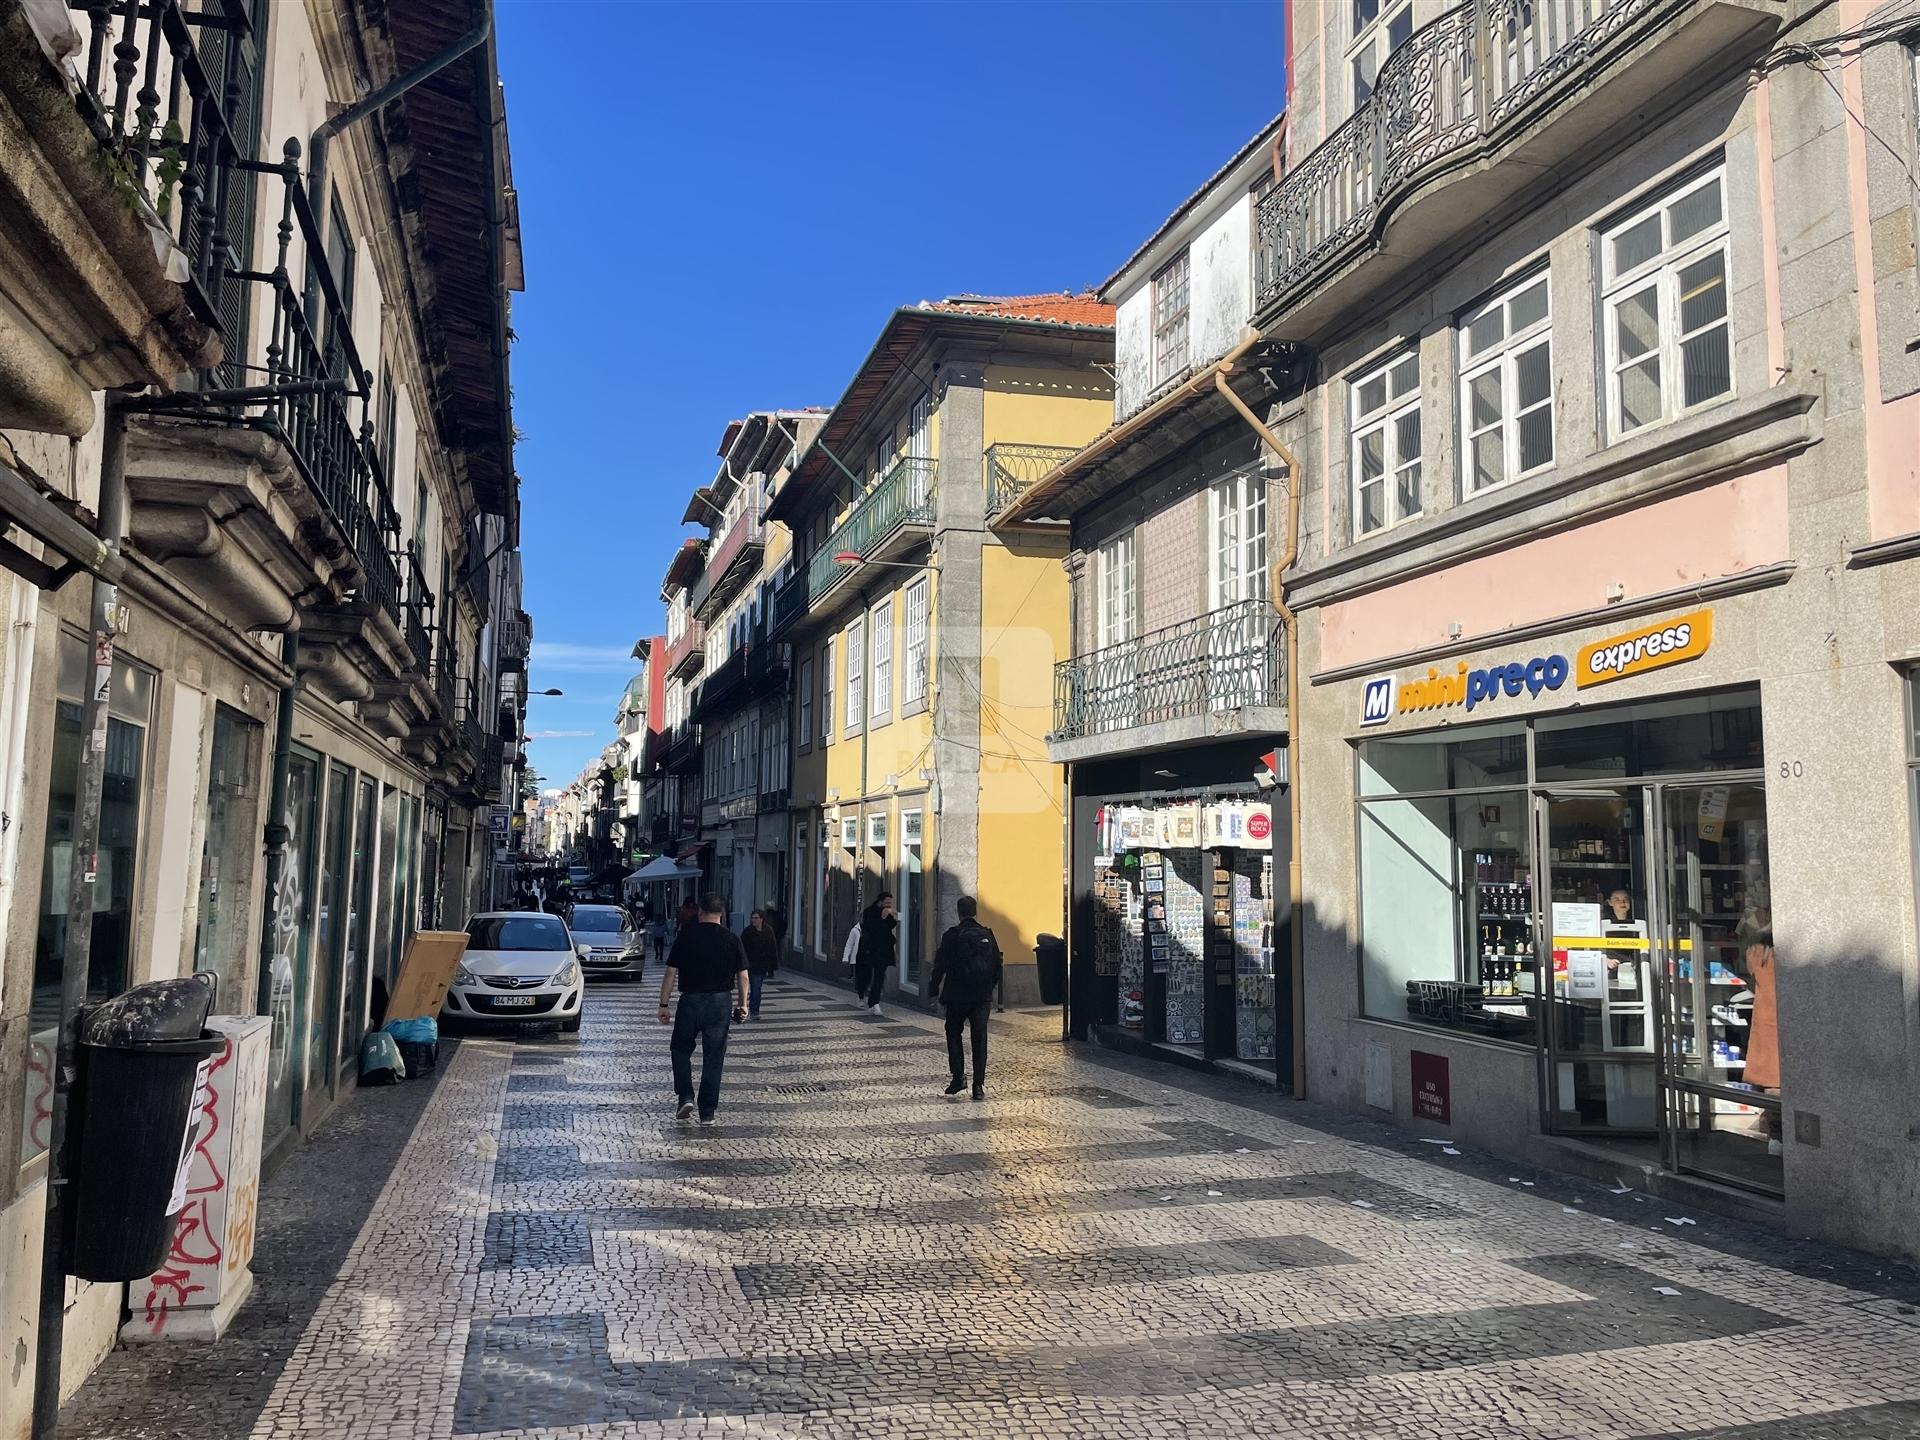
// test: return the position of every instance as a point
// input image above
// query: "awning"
(22, 504)
(664, 868)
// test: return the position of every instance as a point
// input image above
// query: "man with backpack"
(966, 971)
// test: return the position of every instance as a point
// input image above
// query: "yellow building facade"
(922, 645)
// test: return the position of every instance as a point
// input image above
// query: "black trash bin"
(1050, 960)
(135, 1125)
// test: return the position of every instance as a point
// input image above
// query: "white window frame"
(828, 664)
(806, 702)
(1369, 36)
(855, 639)
(914, 648)
(880, 662)
(1384, 419)
(1172, 356)
(1237, 519)
(1503, 357)
(1116, 592)
(1661, 274)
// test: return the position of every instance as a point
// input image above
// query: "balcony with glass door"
(1467, 117)
(1206, 678)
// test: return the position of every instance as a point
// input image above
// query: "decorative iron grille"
(1012, 468)
(1454, 89)
(1224, 660)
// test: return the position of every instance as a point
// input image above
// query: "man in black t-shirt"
(711, 970)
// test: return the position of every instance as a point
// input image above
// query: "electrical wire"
(1849, 49)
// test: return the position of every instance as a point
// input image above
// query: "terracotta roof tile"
(1059, 307)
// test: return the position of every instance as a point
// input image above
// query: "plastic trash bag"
(380, 1062)
(423, 1031)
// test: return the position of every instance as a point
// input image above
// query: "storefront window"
(1615, 911)
(293, 911)
(1663, 737)
(226, 857)
(129, 711)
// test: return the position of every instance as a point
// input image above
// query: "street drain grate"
(809, 1087)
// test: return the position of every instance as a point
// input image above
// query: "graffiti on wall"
(196, 1240)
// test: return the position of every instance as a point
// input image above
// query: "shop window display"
(1183, 924)
(1612, 908)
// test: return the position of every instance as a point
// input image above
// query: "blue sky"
(721, 203)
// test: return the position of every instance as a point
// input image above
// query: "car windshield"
(589, 917)
(516, 932)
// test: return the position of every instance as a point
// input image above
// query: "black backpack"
(977, 965)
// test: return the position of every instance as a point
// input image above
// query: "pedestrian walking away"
(966, 971)
(710, 969)
(878, 928)
(763, 957)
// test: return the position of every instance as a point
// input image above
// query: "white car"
(519, 969)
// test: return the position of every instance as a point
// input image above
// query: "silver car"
(607, 941)
(519, 969)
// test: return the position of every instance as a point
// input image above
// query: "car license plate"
(501, 1001)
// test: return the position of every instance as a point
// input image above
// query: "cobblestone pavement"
(1100, 1249)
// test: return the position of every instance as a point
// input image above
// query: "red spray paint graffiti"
(196, 1240)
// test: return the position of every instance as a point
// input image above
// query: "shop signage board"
(1432, 1087)
(1672, 641)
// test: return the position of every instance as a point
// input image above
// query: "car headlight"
(463, 978)
(566, 974)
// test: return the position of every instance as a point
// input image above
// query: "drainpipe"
(1276, 578)
(89, 788)
(359, 110)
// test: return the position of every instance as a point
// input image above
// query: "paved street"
(1098, 1250)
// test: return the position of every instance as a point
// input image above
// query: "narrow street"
(1097, 1250)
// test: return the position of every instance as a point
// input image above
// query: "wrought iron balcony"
(1226, 660)
(730, 562)
(1459, 91)
(683, 750)
(789, 602)
(516, 640)
(418, 608)
(723, 683)
(167, 92)
(688, 653)
(1012, 468)
(903, 499)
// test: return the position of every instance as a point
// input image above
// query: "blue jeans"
(705, 1017)
(756, 982)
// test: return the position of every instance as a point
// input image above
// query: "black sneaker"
(685, 1112)
(956, 1087)
(979, 1092)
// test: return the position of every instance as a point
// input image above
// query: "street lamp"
(547, 692)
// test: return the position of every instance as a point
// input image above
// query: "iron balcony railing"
(169, 93)
(445, 690)
(1459, 85)
(904, 496)
(1012, 468)
(723, 682)
(516, 640)
(313, 382)
(789, 602)
(1224, 660)
(726, 568)
(418, 609)
(687, 653)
